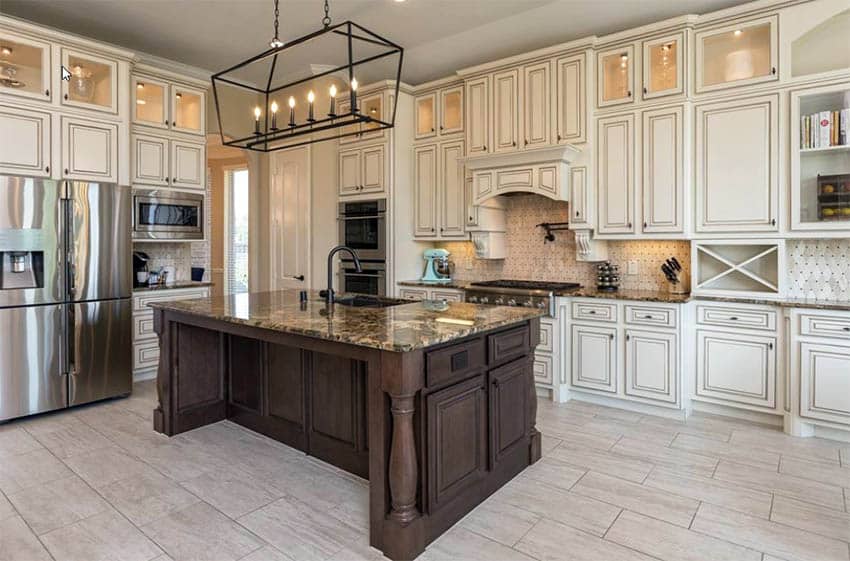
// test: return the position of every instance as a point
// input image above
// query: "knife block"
(681, 287)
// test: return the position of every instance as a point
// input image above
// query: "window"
(236, 231)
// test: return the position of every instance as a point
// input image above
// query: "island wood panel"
(286, 377)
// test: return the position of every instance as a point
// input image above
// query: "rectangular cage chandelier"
(309, 89)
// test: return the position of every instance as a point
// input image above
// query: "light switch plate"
(633, 267)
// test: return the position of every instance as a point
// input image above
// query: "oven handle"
(362, 217)
(376, 274)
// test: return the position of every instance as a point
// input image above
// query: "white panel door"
(24, 142)
(290, 218)
(616, 174)
(536, 103)
(570, 100)
(594, 358)
(825, 382)
(663, 175)
(579, 196)
(737, 165)
(149, 160)
(188, 165)
(425, 187)
(349, 172)
(506, 108)
(736, 368)
(478, 115)
(373, 174)
(651, 365)
(89, 150)
(451, 190)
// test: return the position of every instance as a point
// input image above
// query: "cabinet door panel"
(349, 172)
(737, 165)
(736, 368)
(615, 72)
(663, 66)
(616, 174)
(663, 176)
(510, 386)
(374, 172)
(93, 83)
(579, 196)
(737, 55)
(571, 100)
(31, 62)
(188, 110)
(24, 142)
(89, 150)
(825, 382)
(536, 100)
(506, 108)
(651, 365)
(150, 160)
(150, 102)
(425, 108)
(478, 115)
(594, 358)
(425, 185)
(451, 110)
(188, 165)
(246, 374)
(452, 185)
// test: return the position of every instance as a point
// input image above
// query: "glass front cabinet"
(820, 158)
(93, 83)
(615, 76)
(24, 66)
(663, 68)
(160, 104)
(737, 55)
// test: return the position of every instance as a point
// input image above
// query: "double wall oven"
(363, 228)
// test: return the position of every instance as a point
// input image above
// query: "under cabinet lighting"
(140, 102)
(140, 86)
(738, 32)
(5, 51)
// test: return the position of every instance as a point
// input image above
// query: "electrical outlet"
(633, 267)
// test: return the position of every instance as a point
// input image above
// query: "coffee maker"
(140, 269)
(437, 266)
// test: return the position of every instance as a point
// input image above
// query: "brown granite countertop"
(639, 295)
(455, 284)
(172, 286)
(401, 328)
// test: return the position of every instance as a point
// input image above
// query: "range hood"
(542, 171)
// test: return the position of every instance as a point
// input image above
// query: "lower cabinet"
(736, 367)
(447, 294)
(825, 382)
(594, 358)
(651, 365)
(509, 395)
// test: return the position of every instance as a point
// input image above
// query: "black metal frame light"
(269, 138)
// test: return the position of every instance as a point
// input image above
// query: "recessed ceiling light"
(399, 1)
(738, 32)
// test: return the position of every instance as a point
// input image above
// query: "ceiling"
(439, 36)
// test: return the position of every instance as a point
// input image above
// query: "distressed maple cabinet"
(615, 174)
(651, 365)
(506, 109)
(536, 101)
(738, 54)
(438, 113)
(439, 190)
(478, 115)
(188, 164)
(615, 75)
(425, 190)
(594, 358)
(737, 165)
(663, 148)
(663, 66)
(149, 160)
(570, 100)
(94, 81)
(89, 150)
(25, 149)
(31, 60)
(363, 170)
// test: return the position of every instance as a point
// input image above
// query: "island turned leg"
(404, 471)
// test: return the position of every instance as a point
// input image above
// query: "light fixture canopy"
(319, 76)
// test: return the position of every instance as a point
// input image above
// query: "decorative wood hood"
(542, 171)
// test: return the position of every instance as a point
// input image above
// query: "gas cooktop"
(528, 285)
(509, 292)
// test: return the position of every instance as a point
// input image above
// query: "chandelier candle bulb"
(274, 115)
(354, 95)
(332, 112)
(291, 111)
(311, 97)
(257, 120)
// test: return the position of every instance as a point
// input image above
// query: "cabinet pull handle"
(47, 169)
(629, 94)
(47, 93)
(773, 222)
(66, 97)
(66, 171)
(845, 328)
(645, 91)
(733, 318)
(648, 317)
(773, 70)
(592, 312)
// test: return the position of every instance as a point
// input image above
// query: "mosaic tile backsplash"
(819, 269)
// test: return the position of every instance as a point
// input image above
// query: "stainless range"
(530, 294)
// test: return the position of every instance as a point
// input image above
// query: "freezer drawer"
(99, 350)
(31, 374)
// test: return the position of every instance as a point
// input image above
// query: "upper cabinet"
(166, 105)
(24, 66)
(536, 104)
(478, 115)
(368, 104)
(739, 54)
(93, 83)
(616, 174)
(29, 154)
(570, 100)
(506, 110)
(615, 74)
(663, 66)
(439, 113)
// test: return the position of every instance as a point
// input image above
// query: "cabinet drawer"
(543, 369)
(143, 327)
(746, 318)
(508, 345)
(452, 364)
(413, 294)
(651, 315)
(548, 333)
(825, 326)
(447, 295)
(595, 311)
(825, 382)
(141, 301)
(146, 355)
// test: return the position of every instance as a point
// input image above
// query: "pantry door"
(289, 207)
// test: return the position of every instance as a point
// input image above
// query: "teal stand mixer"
(436, 266)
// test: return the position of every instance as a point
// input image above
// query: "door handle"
(298, 277)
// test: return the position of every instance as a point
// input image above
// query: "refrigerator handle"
(70, 332)
(63, 330)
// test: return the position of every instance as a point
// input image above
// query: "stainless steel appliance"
(531, 294)
(167, 215)
(363, 227)
(371, 279)
(65, 319)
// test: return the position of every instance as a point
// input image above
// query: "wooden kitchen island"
(433, 402)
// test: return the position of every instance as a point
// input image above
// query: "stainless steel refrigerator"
(65, 294)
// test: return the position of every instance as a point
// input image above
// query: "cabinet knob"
(559, 137)
(733, 318)
(66, 171)
(611, 336)
(66, 97)
(442, 128)
(47, 169)
(166, 121)
(645, 91)
(629, 93)
(432, 129)
(773, 222)
(845, 328)
(432, 229)
(484, 147)
(628, 337)
(773, 70)
(526, 142)
(592, 312)
(770, 346)
(471, 219)
(578, 214)
(644, 225)
(47, 93)
(629, 224)
(513, 143)
(173, 123)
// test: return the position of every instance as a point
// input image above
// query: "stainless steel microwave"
(167, 215)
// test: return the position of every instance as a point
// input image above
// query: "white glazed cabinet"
(31, 59)
(29, 154)
(478, 115)
(615, 76)
(89, 150)
(663, 66)
(160, 161)
(363, 170)
(737, 54)
(439, 190)
(615, 174)
(570, 109)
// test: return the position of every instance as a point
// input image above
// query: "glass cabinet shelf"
(615, 71)
(93, 83)
(737, 55)
(24, 66)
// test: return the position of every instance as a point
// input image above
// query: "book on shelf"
(825, 129)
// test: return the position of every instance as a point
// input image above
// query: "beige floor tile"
(76, 439)
(695, 426)
(615, 429)
(201, 533)
(6, 509)
(232, 492)
(549, 540)
(105, 466)
(268, 553)
(791, 486)
(354, 512)
(554, 472)
(712, 491)
(500, 521)
(146, 497)
(18, 543)
(603, 462)
(299, 530)
(781, 443)
(726, 451)
(676, 460)
(57, 503)
(844, 454)
(769, 537)
(556, 504)
(29, 469)
(15, 440)
(818, 471)
(461, 544)
(547, 443)
(672, 543)
(182, 461)
(603, 412)
(573, 435)
(104, 537)
(633, 496)
(815, 519)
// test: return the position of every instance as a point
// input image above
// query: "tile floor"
(97, 484)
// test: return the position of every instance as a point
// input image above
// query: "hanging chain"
(276, 42)
(327, 19)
